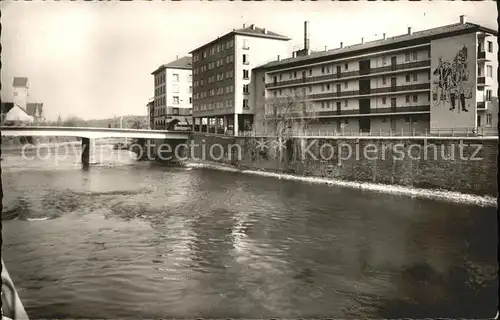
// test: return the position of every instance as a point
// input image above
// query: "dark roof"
(424, 35)
(6, 106)
(34, 109)
(20, 82)
(182, 63)
(251, 31)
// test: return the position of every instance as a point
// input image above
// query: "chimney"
(463, 19)
(176, 57)
(325, 48)
(384, 35)
(409, 30)
(362, 40)
(252, 27)
(278, 57)
(243, 25)
(341, 44)
(265, 31)
(306, 40)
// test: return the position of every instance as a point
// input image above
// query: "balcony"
(483, 56)
(356, 73)
(352, 93)
(483, 105)
(358, 113)
(484, 81)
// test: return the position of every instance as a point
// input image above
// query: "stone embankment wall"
(454, 164)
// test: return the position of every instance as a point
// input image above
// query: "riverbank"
(457, 197)
(459, 165)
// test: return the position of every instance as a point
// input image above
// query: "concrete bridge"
(87, 133)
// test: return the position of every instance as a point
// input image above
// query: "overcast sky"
(94, 59)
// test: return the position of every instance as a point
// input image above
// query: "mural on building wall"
(452, 84)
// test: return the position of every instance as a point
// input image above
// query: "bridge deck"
(91, 133)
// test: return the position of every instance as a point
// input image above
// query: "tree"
(136, 124)
(287, 116)
(74, 121)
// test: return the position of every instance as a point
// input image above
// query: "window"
(384, 60)
(245, 59)
(383, 80)
(295, 74)
(490, 46)
(327, 86)
(281, 76)
(175, 89)
(176, 77)
(407, 119)
(245, 88)
(245, 103)
(488, 95)
(275, 93)
(489, 71)
(176, 99)
(407, 56)
(322, 70)
(322, 104)
(407, 77)
(245, 44)
(415, 98)
(310, 88)
(346, 66)
(415, 55)
(489, 119)
(245, 74)
(310, 72)
(346, 103)
(407, 98)
(415, 76)
(384, 100)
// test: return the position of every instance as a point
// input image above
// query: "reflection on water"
(134, 239)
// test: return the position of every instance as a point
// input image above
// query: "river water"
(127, 239)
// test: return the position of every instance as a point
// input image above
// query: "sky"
(94, 59)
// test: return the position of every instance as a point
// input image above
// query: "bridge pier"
(85, 151)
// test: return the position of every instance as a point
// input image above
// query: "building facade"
(221, 77)
(21, 111)
(151, 113)
(421, 82)
(172, 102)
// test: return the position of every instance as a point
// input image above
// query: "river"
(127, 239)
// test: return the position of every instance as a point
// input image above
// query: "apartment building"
(221, 77)
(172, 104)
(151, 113)
(437, 79)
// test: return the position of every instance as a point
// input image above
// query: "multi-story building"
(221, 77)
(437, 79)
(172, 103)
(151, 113)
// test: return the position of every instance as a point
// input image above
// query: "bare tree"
(288, 116)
